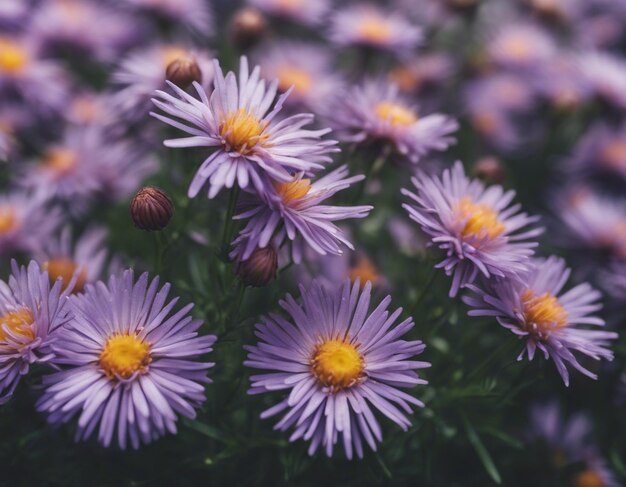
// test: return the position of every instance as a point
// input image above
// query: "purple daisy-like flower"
(31, 310)
(293, 211)
(521, 46)
(195, 14)
(339, 363)
(606, 74)
(87, 163)
(300, 11)
(240, 121)
(143, 72)
(376, 111)
(535, 309)
(83, 261)
(27, 221)
(477, 227)
(130, 366)
(307, 67)
(370, 26)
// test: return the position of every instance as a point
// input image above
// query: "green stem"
(228, 223)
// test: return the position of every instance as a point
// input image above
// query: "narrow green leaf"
(482, 452)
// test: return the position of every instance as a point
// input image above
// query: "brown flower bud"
(490, 170)
(260, 269)
(247, 27)
(151, 209)
(183, 71)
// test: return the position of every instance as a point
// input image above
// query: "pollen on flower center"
(365, 271)
(8, 221)
(12, 57)
(293, 190)
(478, 219)
(395, 114)
(60, 160)
(298, 78)
(543, 313)
(64, 268)
(374, 29)
(17, 322)
(588, 478)
(241, 131)
(124, 355)
(337, 364)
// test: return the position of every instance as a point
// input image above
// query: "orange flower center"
(123, 355)
(337, 364)
(543, 313)
(374, 29)
(485, 122)
(290, 5)
(517, 48)
(13, 58)
(395, 114)
(64, 268)
(293, 190)
(365, 271)
(588, 478)
(479, 220)
(8, 220)
(60, 161)
(613, 154)
(298, 78)
(241, 131)
(18, 322)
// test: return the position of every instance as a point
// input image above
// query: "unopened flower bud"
(490, 170)
(151, 209)
(260, 269)
(247, 27)
(183, 71)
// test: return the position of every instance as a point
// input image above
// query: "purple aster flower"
(563, 83)
(292, 211)
(239, 120)
(130, 367)
(26, 78)
(87, 164)
(60, 26)
(613, 281)
(84, 261)
(306, 67)
(143, 72)
(376, 111)
(593, 221)
(14, 13)
(194, 14)
(27, 221)
(606, 73)
(31, 311)
(596, 473)
(428, 70)
(367, 25)
(601, 150)
(535, 309)
(520, 46)
(478, 228)
(300, 11)
(338, 364)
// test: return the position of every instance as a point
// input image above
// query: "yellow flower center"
(479, 219)
(293, 190)
(60, 161)
(517, 48)
(298, 78)
(374, 29)
(8, 220)
(18, 322)
(64, 268)
(614, 154)
(395, 114)
(241, 131)
(12, 57)
(171, 54)
(365, 271)
(544, 313)
(588, 478)
(123, 355)
(337, 364)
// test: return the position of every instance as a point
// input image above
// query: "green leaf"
(482, 452)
